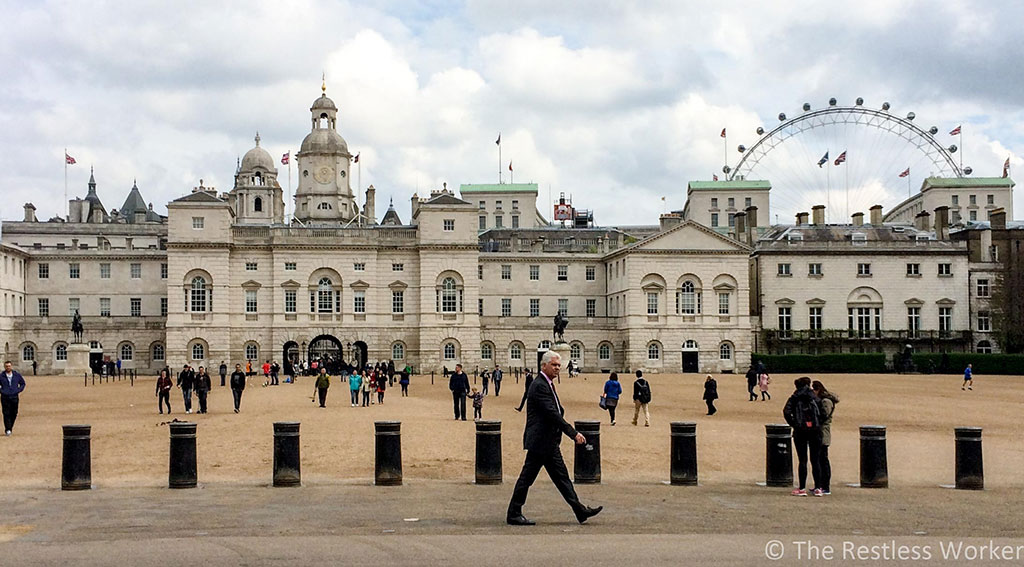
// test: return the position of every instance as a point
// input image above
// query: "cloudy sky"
(616, 103)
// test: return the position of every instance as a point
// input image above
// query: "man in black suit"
(544, 428)
(459, 385)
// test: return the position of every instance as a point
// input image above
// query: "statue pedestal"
(562, 348)
(78, 359)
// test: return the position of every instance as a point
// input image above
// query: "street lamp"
(348, 349)
(303, 350)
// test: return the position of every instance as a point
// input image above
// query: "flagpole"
(511, 174)
(499, 158)
(828, 189)
(961, 140)
(287, 216)
(725, 149)
(67, 212)
(847, 174)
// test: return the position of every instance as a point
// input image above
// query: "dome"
(322, 140)
(257, 157)
(323, 103)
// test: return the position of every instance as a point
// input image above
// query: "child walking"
(763, 380)
(478, 403)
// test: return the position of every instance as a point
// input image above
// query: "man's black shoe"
(588, 513)
(519, 520)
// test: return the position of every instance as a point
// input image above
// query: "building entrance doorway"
(326, 350)
(691, 357)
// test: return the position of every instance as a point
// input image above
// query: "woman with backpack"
(803, 413)
(710, 394)
(612, 391)
(641, 398)
(828, 407)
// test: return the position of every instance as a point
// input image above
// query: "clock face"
(342, 173)
(324, 174)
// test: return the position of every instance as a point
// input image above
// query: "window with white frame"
(136, 271)
(688, 299)
(127, 352)
(449, 226)
(534, 307)
(563, 306)
(563, 273)
(104, 307)
(652, 303)
(545, 344)
(290, 266)
(61, 352)
(28, 353)
(74, 270)
(396, 267)
(398, 351)
(135, 304)
(74, 304)
(499, 221)
(479, 271)
(325, 296)
(359, 266)
(251, 305)
(945, 269)
(534, 272)
(783, 269)
(163, 306)
(604, 351)
(486, 351)
(44, 271)
(290, 301)
(913, 269)
(575, 351)
(913, 321)
(725, 351)
(983, 289)
(163, 271)
(984, 347)
(198, 295)
(506, 306)
(397, 301)
(591, 273)
(506, 271)
(44, 306)
(945, 319)
(449, 351)
(197, 224)
(251, 266)
(480, 306)
(359, 301)
(158, 352)
(653, 351)
(814, 318)
(814, 269)
(449, 295)
(105, 271)
(515, 351)
(863, 269)
(984, 321)
(723, 303)
(252, 352)
(591, 308)
(785, 321)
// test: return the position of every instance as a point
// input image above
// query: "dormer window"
(859, 238)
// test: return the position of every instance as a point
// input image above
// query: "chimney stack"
(876, 215)
(369, 207)
(801, 218)
(415, 206)
(741, 227)
(751, 224)
(30, 212)
(997, 218)
(923, 221)
(670, 220)
(858, 219)
(942, 223)
(818, 214)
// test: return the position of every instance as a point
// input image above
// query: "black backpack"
(807, 413)
(644, 392)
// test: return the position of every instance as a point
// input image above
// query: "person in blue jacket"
(612, 391)
(355, 381)
(11, 386)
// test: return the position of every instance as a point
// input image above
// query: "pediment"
(946, 301)
(691, 236)
(359, 284)
(252, 284)
(914, 302)
(816, 301)
(785, 301)
(291, 283)
(397, 285)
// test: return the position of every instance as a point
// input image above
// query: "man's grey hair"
(548, 356)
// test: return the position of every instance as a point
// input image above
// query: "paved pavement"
(436, 522)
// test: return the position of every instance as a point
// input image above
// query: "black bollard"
(388, 466)
(587, 466)
(874, 465)
(76, 468)
(970, 474)
(488, 452)
(779, 455)
(286, 454)
(684, 453)
(183, 455)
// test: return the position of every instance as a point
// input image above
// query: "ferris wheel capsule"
(741, 148)
(952, 149)
(911, 116)
(832, 101)
(807, 106)
(760, 131)
(968, 170)
(782, 117)
(933, 130)
(726, 169)
(885, 106)
(860, 101)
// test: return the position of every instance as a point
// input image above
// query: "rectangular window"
(783, 269)
(863, 269)
(534, 307)
(814, 269)
(290, 301)
(359, 267)
(397, 301)
(397, 267)
(515, 221)
(480, 306)
(163, 271)
(535, 272)
(515, 204)
(104, 307)
(714, 202)
(497, 205)
(359, 301)
(163, 306)
(483, 222)
(197, 223)
(563, 307)
(945, 269)
(714, 220)
(984, 321)
(251, 266)
(251, 305)
(732, 220)
(814, 318)
(956, 200)
(991, 199)
(136, 306)
(747, 202)
(483, 205)
(983, 288)
(290, 266)
(945, 320)
(973, 215)
(136, 271)
(974, 199)
(913, 321)
(652, 303)
(73, 305)
(506, 307)
(591, 273)
(913, 269)
(732, 202)
(44, 307)
(785, 321)
(591, 308)
(723, 303)
(563, 273)
(506, 272)
(479, 271)
(498, 222)
(44, 271)
(449, 225)
(73, 271)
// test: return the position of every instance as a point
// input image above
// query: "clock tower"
(324, 194)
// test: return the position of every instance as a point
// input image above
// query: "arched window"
(653, 351)
(198, 352)
(397, 351)
(725, 351)
(257, 204)
(127, 352)
(690, 344)
(61, 352)
(515, 352)
(28, 352)
(325, 296)
(544, 345)
(984, 347)
(198, 295)
(449, 351)
(486, 351)
(575, 352)
(604, 352)
(688, 299)
(252, 351)
(449, 296)
(158, 352)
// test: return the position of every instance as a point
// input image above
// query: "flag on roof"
(714, 177)
(905, 173)
(71, 161)
(355, 159)
(723, 133)
(510, 166)
(955, 131)
(1006, 167)
(286, 158)
(841, 158)
(823, 160)
(498, 141)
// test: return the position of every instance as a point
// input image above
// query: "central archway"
(290, 357)
(359, 354)
(326, 349)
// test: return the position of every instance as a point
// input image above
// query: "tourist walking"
(485, 379)
(323, 382)
(968, 378)
(763, 379)
(710, 394)
(223, 374)
(496, 377)
(366, 385)
(187, 381)
(526, 389)
(478, 403)
(202, 386)
(612, 391)
(35, 365)
(275, 371)
(459, 385)
(545, 425)
(641, 398)
(751, 383)
(11, 387)
(382, 384)
(803, 413)
(354, 383)
(237, 386)
(828, 407)
(163, 391)
(403, 381)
